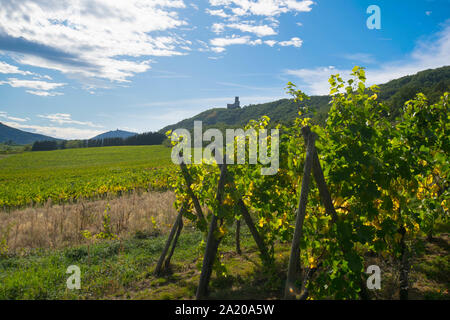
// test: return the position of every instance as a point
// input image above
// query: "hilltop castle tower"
(235, 105)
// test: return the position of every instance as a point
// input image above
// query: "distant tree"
(148, 138)
(44, 146)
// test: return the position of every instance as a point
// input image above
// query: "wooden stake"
(174, 244)
(160, 263)
(251, 226)
(294, 269)
(238, 237)
(197, 206)
(212, 243)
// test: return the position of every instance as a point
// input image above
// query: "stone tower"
(235, 105)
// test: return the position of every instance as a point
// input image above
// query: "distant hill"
(114, 134)
(21, 137)
(433, 83)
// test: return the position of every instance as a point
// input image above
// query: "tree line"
(148, 138)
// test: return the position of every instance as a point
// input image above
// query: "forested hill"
(433, 83)
(114, 134)
(9, 134)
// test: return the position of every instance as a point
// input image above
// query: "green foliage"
(388, 181)
(107, 232)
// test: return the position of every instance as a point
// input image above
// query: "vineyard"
(362, 189)
(74, 174)
(360, 185)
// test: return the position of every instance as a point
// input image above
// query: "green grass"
(124, 270)
(109, 269)
(62, 175)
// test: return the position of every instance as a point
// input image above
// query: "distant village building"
(235, 105)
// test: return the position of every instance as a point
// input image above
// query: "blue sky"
(73, 69)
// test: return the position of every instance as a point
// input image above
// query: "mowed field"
(64, 175)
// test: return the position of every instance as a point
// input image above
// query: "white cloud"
(219, 43)
(223, 42)
(44, 93)
(263, 13)
(218, 27)
(218, 49)
(270, 43)
(294, 42)
(40, 88)
(56, 132)
(4, 114)
(218, 13)
(315, 80)
(258, 30)
(263, 7)
(92, 38)
(65, 118)
(10, 69)
(62, 132)
(261, 30)
(430, 54)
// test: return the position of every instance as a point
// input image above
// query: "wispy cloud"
(219, 44)
(56, 132)
(262, 7)
(294, 42)
(4, 115)
(65, 118)
(218, 13)
(63, 130)
(223, 42)
(44, 93)
(40, 88)
(258, 30)
(10, 69)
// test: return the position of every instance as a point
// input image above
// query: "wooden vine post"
(238, 237)
(251, 226)
(213, 242)
(176, 229)
(312, 163)
(255, 234)
(294, 268)
(197, 206)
